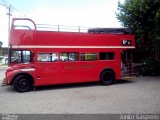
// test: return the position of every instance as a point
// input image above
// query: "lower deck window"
(67, 56)
(89, 56)
(47, 57)
(107, 56)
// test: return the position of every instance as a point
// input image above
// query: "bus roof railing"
(63, 28)
(60, 28)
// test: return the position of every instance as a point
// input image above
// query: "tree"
(142, 17)
(1, 43)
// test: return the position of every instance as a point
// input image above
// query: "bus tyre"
(22, 83)
(107, 77)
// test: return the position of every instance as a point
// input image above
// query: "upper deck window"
(20, 56)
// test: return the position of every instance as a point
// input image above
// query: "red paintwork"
(25, 37)
(65, 72)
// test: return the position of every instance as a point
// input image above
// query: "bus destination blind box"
(126, 42)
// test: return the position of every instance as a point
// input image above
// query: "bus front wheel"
(107, 77)
(22, 83)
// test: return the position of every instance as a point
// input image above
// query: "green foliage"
(1, 43)
(150, 67)
(143, 18)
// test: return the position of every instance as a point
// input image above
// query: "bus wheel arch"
(23, 82)
(107, 76)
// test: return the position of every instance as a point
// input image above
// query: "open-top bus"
(47, 57)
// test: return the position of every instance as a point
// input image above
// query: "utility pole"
(8, 7)
(9, 19)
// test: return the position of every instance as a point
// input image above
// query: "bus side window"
(47, 57)
(69, 56)
(73, 56)
(107, 56)
(89, 56)
(44, 57)
(54, 56)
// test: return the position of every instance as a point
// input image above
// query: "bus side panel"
(61, 72)
(66, 72)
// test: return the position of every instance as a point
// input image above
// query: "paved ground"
(2, 70)
(140, 95)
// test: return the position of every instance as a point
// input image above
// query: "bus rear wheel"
(107, 77)
(22, 83)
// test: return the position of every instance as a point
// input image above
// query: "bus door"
(127, 64)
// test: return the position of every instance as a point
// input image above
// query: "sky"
(88, 13)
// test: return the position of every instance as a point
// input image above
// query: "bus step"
(128, 77)
(4, 82)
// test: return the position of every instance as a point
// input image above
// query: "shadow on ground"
(78, 85)
(70, 86)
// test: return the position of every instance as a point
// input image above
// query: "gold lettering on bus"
(71, 67)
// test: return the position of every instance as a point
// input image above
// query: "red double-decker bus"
(47, 57)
